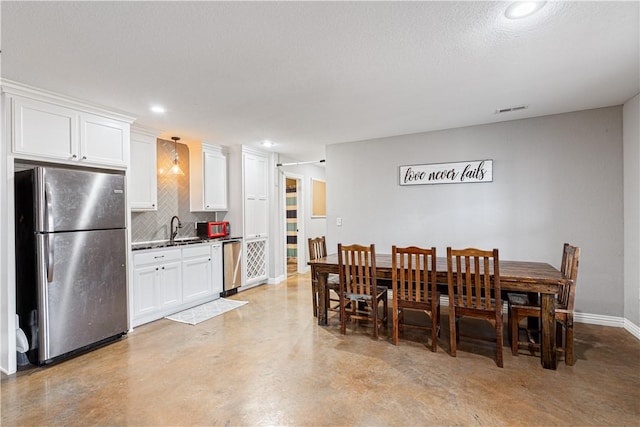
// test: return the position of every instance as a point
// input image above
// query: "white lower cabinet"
(196, 272)
(156, 283)
(169, 280)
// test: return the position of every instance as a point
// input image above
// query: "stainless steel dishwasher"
(232, 261)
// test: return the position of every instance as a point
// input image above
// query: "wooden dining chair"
(359, 293)
(317, 250)
(521, 306)
(414, 287)
(473, 278)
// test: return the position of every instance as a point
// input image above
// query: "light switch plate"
(339, 222)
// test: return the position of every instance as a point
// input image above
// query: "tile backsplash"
(173, 199)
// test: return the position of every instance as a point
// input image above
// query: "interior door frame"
(302, 252)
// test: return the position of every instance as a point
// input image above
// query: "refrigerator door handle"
(48, 204)
(49, 260)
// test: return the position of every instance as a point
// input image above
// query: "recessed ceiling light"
(522, 9)
(267, 143)
(158, 109)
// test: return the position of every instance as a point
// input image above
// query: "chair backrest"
(317, 248)
(473, 276)
(569, 269)
(413, 274)
(357, 265)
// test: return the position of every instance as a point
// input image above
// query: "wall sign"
(447, 173)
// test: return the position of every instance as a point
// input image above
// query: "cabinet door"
(256, 202)
(170, 289)
(145, 281)
(215, 180)
(256, 260)
(143, 181)
(104, 140)
(43, 129)
(196, 278)
(216, 269)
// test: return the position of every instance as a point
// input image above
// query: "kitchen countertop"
(181, 241)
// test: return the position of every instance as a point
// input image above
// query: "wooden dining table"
(519, 276)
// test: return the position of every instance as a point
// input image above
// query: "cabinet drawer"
(196, 251)
(155, 257)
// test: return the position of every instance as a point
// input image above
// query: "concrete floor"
(268, 363)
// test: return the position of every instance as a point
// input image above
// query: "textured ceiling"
(307, 74)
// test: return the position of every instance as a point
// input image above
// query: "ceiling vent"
(510, 109)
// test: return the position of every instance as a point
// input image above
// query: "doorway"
(291, 189)
(294, 224)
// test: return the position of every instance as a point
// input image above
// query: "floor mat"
(203, 312)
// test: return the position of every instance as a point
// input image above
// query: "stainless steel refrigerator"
(71, 281)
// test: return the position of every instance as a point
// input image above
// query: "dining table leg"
(322, 299)
(548, 332)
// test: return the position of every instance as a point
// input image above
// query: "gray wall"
(632, 210)
(556, 179)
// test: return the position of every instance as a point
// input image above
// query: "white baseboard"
(276, 280)
(588, 318)
(632, 328)
(598, 319)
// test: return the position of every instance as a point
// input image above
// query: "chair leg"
(343, 316)
(374, 308)
(509, 323)
(499, 344)
(559, 331)
(568, 353)
(314, 294)
(395, 320)
(385, 306)
(514, 320)
(434, 329)
(452, 331)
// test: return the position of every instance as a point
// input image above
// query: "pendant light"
(175, 169)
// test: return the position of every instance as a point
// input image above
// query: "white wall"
(631, 150)
(556, 179)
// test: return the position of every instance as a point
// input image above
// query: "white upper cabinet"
(215, 179)
(143, 179)
(207, 178)
(53, 128)
(255, 196)
(44, 129)
(104, 141)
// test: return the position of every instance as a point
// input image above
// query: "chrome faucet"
(174, 231)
